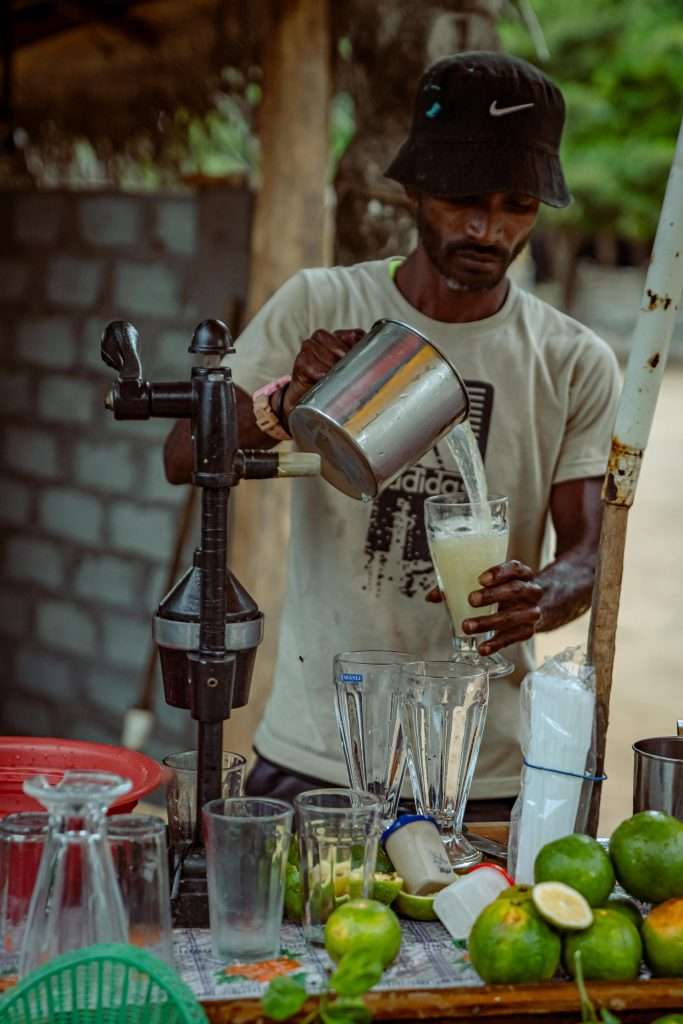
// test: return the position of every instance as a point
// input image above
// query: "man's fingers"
(512, 570)
(502, 640)
(517, 591)
(350, 336)
(511, 618)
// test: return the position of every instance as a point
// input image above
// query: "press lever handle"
(119, 349)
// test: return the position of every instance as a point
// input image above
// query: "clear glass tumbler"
(138, 848)
(181, 791)
(76, 901)
(22, 841)
(338, 834)
(367, 691)
(443, 711)
(247, 843)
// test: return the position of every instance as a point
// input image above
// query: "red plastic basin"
(24, 756)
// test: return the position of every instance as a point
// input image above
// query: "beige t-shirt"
(543, 390)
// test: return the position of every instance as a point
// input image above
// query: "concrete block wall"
(87, 521)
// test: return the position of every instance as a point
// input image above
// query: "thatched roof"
(108, 68)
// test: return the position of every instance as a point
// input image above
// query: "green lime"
(510, 943)
(418, 908)
(580, 862)
(647, 852)
(610, 949)
(385, 887)
(383, 863)
(563, 907)
(294, 899)
(663, 938)
(363, 924)
(518, 893)
(623, 905)
(671, 1018)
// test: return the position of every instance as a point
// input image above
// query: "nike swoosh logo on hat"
(496, 111)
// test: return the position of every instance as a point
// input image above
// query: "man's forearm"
(178, 446)
(567, 588)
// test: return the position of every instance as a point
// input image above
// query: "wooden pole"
(647, 361)
(288, 233)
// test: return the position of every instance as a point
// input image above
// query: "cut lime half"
(562, 906)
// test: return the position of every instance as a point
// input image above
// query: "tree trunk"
(392, 42)
(288, 233)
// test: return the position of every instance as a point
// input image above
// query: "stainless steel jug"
(658, 775)
(385, 404)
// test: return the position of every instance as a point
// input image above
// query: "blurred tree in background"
(619, 64)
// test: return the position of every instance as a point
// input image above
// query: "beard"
(466, 266)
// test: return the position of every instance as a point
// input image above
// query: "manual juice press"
(207, 628)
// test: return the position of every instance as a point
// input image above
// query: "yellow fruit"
(647, 852)
(610, 949)
(385, 887)
(363, 924)
(418, 908)
(510, 943)
(562, 907)
(581, 863)
(663, 938)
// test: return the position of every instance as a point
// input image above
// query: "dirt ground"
(647, 697)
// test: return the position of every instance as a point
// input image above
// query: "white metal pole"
(649, 352)
(650, 343)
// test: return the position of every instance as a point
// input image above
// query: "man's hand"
(317, 355)
(510, 586)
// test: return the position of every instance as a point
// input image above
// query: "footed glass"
(367, 691)
(465, 539)
(443, 711)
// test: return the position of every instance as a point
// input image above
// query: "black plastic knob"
(211, 338)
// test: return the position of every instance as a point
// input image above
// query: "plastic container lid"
(402, 821)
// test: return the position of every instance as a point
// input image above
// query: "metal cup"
(658, 775)
(385, 404)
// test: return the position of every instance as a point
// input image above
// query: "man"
(481, 157)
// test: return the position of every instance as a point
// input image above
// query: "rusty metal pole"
(647, 361)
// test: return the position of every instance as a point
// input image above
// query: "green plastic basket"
(103, 984)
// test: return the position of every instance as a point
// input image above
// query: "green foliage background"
(619, 64)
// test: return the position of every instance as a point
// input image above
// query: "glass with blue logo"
(367, 706)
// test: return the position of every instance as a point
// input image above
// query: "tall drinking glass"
(443, 711)
(247, 842)
(367, 691)
(338, 834)
(465, 539)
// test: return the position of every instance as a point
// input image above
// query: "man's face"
(472, 240)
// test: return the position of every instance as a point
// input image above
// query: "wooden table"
(555, 1002)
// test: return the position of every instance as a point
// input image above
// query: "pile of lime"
(333, 886)
(571, 911)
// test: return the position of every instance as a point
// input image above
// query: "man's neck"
(428, 291)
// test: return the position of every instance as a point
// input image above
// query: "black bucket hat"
(485, 122)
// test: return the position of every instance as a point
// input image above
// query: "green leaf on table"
(283, 998)
(356, 973)
(345, 1010)
(608, 1018)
